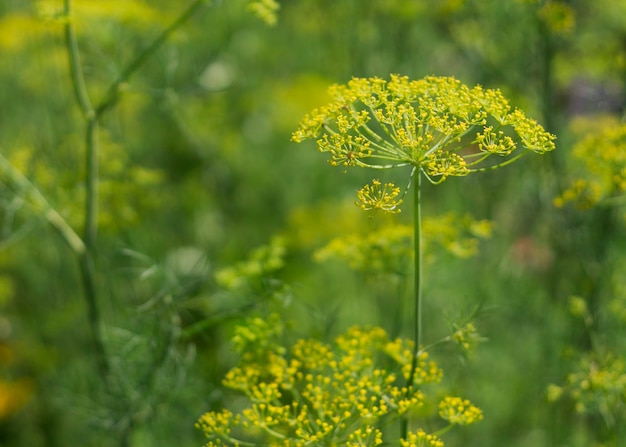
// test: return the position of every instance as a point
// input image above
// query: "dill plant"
(436, 126)
(348, 392)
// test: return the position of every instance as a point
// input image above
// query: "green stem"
(67, 233)
(76, 72)
(112, 95)
(417, 265)
(91, 183)
(87, 261)
(87, 271)
(500, 165)
(417, 244)
(86, 258)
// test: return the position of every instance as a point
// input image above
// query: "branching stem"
(86, 251)
(86, 258)
(76, 71)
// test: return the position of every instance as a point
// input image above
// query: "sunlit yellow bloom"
(435, 124)
(319, 393)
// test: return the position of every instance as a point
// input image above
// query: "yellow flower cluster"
(495, 143)
(321, 394)
(364, 437)
(459, 411)
(443, 164)
(436, 124)
(378, 196)
(601, 159)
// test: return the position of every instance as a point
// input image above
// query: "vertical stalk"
(91, 183)
(86, 258)
(417, 249)
(76, 72)
(417, 269)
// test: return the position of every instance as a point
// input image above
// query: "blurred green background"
(197, 170)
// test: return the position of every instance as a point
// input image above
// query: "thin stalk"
(87, 273)
(417, 249)
(417, 268)
(91, 183)
(499, 165)
(76, 71)
(86, 258)
(65, 231)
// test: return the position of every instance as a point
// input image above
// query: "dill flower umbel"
(435, 124)
(323, 394)
(378, 196)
